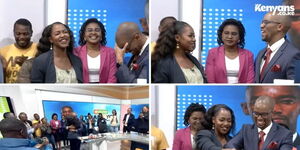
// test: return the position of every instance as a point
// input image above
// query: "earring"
(51, 47)
(177, 45)
(213, 126)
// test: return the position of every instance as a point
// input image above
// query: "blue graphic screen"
(244, 11)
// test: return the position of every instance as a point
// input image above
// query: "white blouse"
(94, 68)
(232, 68)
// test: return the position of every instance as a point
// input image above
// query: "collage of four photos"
(149, 74)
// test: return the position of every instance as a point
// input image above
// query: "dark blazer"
(207, 140)
(131, 120)
(247, 138)
(43, 69)
(281, 66)
(125, 75)
(168, 70)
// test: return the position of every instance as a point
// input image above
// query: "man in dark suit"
(128, 121)
(277, 60)
(286, 109)
(263, 134)
(129, 38)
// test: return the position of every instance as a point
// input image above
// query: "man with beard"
(277, 60)
(286, 109)
(264, 133)
(16, 54)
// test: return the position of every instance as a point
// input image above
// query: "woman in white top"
(114, 127)
(98, 61)
(230, 63)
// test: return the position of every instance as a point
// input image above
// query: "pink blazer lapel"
(222, 61)
(103, 54)
(187, 136)
(242, 58)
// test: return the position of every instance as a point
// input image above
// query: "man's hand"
(120, 53)
(20, 60)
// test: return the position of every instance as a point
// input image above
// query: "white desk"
(111, 141)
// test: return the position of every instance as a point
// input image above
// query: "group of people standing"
(172, 61)
(55, 59)
(214, 129)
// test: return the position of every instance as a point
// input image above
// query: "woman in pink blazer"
(230, 63)
(98, 61)
(193, 117)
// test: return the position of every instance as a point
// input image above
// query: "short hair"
(83, 28)
(295, 88)
(192, 108)
(22, 113)
(24, 22)
(11, 125)
(6, 114)
(212, 112)
(54, 114)
(67, 107)
(239, 25)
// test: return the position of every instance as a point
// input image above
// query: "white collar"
(144, 46)
(274, 47)
(266, 130)
(295, 136)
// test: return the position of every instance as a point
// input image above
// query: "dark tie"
(267, 60)
(261, 140)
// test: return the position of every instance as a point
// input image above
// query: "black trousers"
(126, 129)
(75, 144)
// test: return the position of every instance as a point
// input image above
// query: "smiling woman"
(98, 61)
(230, 62)
(57, 64)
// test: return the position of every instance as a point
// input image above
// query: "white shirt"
(144, 46)
(127, 117)
(266, 130)
(93, 68)
(274, 48)
(193, 142)
(232, 69)
(294, 136)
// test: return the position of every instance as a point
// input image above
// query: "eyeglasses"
(264, 115)
(89, 30)
(265, 22)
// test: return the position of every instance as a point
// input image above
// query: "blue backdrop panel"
(136, 109)
(81, 108)
(232, 96)
(110, 12)
(214, 15)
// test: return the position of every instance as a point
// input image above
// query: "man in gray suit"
(277, 60)
(263, 134)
